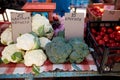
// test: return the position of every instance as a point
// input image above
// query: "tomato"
(111, 41)
(102, 33)
(117, 44)
(103, 29)
(106, 38)
(93, 31)
(118, 33)
(117, 28)
(117, 38)
(109, 30)
(112, 35)
(101, 42)
(98, 38)
(113, 44)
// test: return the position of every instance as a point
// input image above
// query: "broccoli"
(58, 50)
(79, 50)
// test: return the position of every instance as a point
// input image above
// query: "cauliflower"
(11, 54)
(27, 41)
(58, 50)
(43, 42)
(79, 50)
(34, 57)
(41, 26)
(6, 36)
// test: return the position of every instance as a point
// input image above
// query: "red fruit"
(101, 42)
(112, 35)
(105, 38)
(109, 30)
(117, 38)
(93, 31)
(103, 29)
(117, 44)
(118, 33)
(111, 41)
(112, 44)
(98, 38)
(117, 28)
(102, 33)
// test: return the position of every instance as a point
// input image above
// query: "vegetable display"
(59, 50)
(27, 41)
(6, 36)
(34, 57)
(12, 54)
(41, 26)
(107, 36)
(79, 50)
(44, 42)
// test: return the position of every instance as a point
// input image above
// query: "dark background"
(12, 4)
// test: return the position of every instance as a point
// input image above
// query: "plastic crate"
(105, 57)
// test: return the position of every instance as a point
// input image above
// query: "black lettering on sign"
(20, 18)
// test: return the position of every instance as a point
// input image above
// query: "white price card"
(21, 23)
(109, 7)
(74, 25)
(111, 15)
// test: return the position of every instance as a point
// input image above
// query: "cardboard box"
(91, 16)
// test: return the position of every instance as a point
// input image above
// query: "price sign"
(21, 23)
(74, 25)
(109, 7)
(111, 15)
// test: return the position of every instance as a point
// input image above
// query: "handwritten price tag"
(111, 15)
(21, 23)
(74, 25)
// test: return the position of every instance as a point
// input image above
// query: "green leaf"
(41, 31)
(61, 34)
(1, 61)
(50, 30)
(34, 34)
(5, 61)
(36, 43)
(35, 69)
(17, 56)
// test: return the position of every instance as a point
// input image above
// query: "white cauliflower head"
(41, 26)
(6, 36)
(34, 57)
(27, 41)
(12, 54)
(43, 42)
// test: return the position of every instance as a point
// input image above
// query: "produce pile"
(96, 11)
(110, 38)
(43, 43)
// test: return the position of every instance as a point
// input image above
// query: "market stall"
(57, 54)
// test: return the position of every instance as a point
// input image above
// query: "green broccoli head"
(58, 50)
(80, 50)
